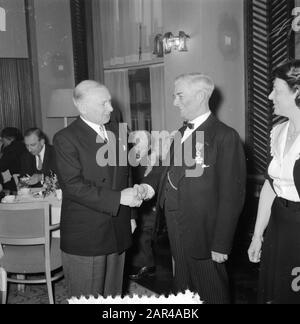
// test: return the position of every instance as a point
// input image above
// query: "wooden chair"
(28, 248)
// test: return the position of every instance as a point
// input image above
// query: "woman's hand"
(254, 251)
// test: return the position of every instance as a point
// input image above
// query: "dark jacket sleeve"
(10, 156)
(231, 168)
(25, 165)
(75, 187)
(11, 159)
(6, 160)
(49, 165)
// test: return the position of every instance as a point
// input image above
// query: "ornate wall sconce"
(165, 44)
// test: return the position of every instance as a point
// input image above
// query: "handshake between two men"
(134, 197)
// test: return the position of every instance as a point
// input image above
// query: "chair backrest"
(25, 223)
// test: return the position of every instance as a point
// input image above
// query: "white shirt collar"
(197, 122)
(200, 120)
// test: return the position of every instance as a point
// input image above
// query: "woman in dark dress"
(10, 160)
(276, 239)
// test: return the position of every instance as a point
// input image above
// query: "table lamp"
(62, 105)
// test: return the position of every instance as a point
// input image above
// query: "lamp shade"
(61, 104)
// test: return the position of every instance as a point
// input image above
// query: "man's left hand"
(219, 257)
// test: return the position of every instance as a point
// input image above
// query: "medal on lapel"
(199, 157)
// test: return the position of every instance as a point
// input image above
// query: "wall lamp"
(163, 44)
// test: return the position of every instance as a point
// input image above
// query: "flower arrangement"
(50, 184)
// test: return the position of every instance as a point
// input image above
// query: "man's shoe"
(142, 272)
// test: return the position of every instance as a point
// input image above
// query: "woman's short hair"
(11, 133)
(290, 73)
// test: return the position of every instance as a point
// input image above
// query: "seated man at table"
(39, 160)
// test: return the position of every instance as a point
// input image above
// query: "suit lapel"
(46, 158)
(94, 138)
(208, 129)
(177, 139)
(113, 138)
(92, 135)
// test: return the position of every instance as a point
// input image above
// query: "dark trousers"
(100, 275)
(205, 277)
(141, 252)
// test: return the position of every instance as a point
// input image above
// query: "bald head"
(93, 101)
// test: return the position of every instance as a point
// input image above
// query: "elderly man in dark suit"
(39, 160)
(201, 200)
(95, 216)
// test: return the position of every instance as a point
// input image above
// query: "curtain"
(268, 44)
(128, 30)
(79, 36)
(16, 103)
(94, 41)
(118, 84)
(157, 82)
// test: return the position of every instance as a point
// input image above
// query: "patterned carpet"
(37, 294)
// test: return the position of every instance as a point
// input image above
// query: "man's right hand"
(130, 197)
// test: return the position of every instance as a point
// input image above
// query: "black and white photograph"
(150, 154)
